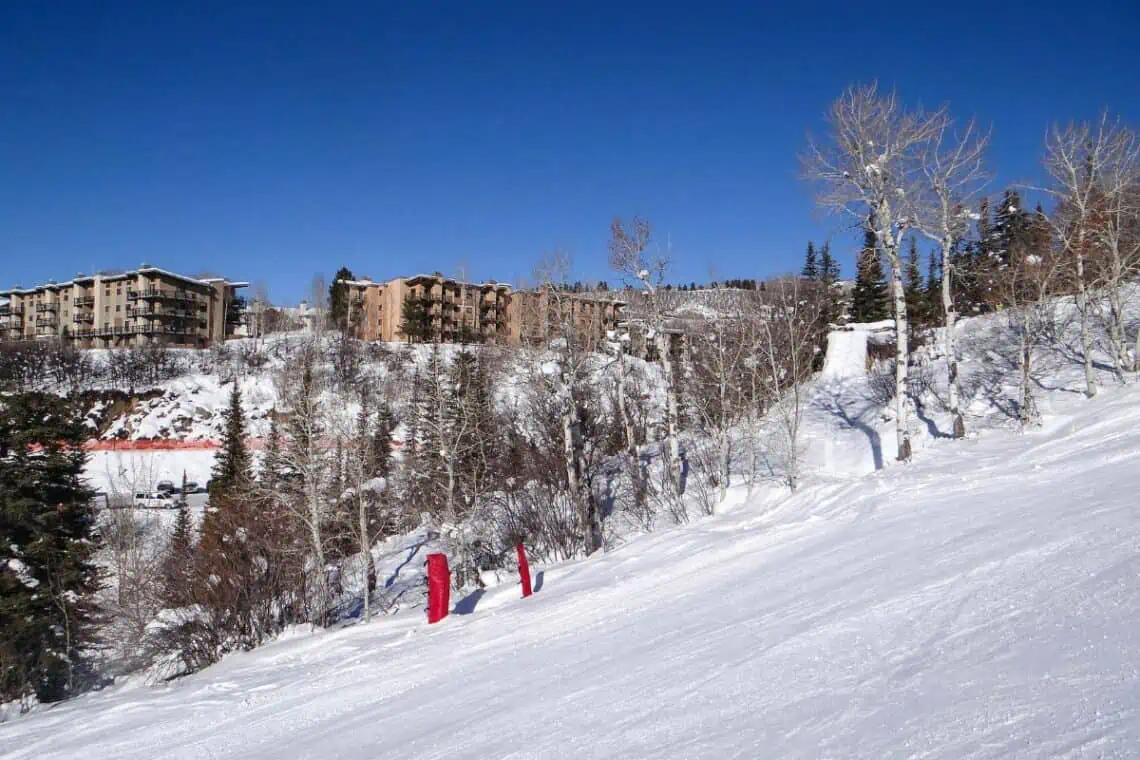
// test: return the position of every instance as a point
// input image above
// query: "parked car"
(193, 487)
(155, 500)
(166, 486)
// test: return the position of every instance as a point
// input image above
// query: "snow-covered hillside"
(980, 602)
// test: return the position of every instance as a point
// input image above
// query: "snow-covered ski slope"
(981, 602)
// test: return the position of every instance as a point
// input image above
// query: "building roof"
(433, 277)
(122, 276)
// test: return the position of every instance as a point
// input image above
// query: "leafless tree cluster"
(876, 166)
(1095, 173)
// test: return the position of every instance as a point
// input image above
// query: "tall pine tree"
(178, 564)
(416, 321)
(828, 266)
(932, 293)
(48, 539)
(811, 266)
(913, 288)
(338, 298)
(869, 301)
(233, 465)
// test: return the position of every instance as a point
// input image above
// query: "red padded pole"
(439, 587)
(524, 569)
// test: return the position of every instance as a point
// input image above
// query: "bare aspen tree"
(1027, 289)
(786, 340)
(717, 352)
(363, 490)
(630, 256)
(618, 345)
(1115, 233)
(319, 303)
(301, 388)
(552, 307)
(1078, 160)
(871, 168)
(258, 304)
(955, 175)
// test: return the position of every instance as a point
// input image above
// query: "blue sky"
(273, 141)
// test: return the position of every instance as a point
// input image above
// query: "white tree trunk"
(1028, 411)
(636, 473)
(623, 407)
(725, 454)
(317, 540)
(366, 550)
(674, 462)
(950, 315)
(902, 350)
(1083, 313)
(1121, 361)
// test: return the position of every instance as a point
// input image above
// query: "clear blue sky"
(271, 141)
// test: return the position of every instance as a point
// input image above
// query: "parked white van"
(155, 500)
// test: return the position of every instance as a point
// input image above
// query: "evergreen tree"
(474, 428)
(869, 301)
(828, 266)
(811, 266)
(382, 440)
(912, 287)
(272, 469)
(416, 319)
(338, 298)
(233, 465)
(974, 268)
(178, 564)
(48, 539)
(231, 478)
(932, 293)
(1010, 227)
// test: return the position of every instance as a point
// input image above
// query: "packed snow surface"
(981, 602)
(846, 354)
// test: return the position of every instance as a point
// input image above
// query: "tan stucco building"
(493, 311)
(147, 305)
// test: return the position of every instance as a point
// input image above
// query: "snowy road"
(980, 603)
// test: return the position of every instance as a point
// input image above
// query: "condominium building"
(451, 307)
(147, 305)
(542, 315)
(453, 310)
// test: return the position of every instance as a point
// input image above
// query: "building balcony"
(160, 294)
(46, 321)
(85, 301)
(159, 312)
(10, 310)
(83, 316)
(46, 307)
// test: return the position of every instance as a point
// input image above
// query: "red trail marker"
(524, 570)
(439, 587)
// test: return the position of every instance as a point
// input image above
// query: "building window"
(106, 309)
(118, 308)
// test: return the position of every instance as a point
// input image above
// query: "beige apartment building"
(376, 309)
(147, 305)
(492, 311)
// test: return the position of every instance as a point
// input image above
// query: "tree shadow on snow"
(467, 604)
(407, 560)
(834, 405)
(924, 418)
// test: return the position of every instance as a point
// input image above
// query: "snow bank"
(979, 603)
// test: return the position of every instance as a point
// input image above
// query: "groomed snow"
(981, 602)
